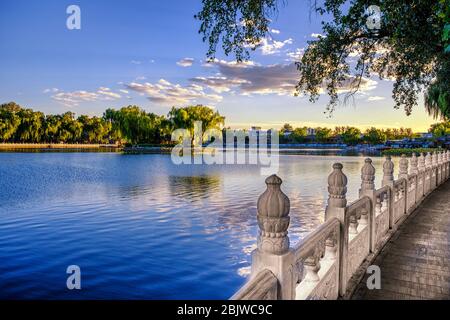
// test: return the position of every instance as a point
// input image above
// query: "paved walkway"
(415, 263)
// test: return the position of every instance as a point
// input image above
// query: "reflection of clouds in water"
(244, 271)
(145, 213)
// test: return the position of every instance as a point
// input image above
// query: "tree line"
(352, 135)
(133, 125)
(130, 124)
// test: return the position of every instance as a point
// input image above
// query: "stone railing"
(330, 261)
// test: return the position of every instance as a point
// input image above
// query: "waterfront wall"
(54, 146)
(330, 261)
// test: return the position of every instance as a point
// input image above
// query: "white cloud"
(375, 98)
(135, 62)
(296, 55)
(317, 35)
(275, 31)
(74, 98)
(51, 90)
(269, 47)
(217, 83)
(166, 93)
(185, 62)
(251, 78)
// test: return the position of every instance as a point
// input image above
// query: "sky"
(149, 53)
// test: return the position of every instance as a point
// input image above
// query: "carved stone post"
(388, 172)
(428, 160)
(367, 179)
(337, 202)
(421, 162)
(435, 159)
(368, 189)
(273, 218)
(403, 167)
(439, 168)
(273, 242)
(337, 189)
(414, 162)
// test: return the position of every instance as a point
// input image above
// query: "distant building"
(426, 135)
(311, 132)
(287, 133)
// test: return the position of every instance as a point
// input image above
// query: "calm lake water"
(141, 227)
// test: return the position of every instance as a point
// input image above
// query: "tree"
(10, 106)
(440, 129)
(95, 130)
(52, 126)
(287, 128)
(299, 134)
(185, 117)
(409, 47)
(9, 122)
(30, 127)
(351, 136)
(374, 136)
(323, 134)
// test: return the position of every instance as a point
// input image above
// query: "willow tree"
(405, 41)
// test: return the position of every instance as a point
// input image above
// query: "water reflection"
(141, 227)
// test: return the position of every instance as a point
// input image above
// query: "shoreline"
(56, 146)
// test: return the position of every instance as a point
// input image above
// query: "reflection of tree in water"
(194, 187)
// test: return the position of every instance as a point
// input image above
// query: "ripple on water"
(140, 227)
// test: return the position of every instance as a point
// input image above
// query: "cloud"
(269, 47)
(51, 90)
(74, 98)
(217, 83)
(317, 35)
(375, 98)
(251, 78)
(135, 62)
(185, 62)
(296, 55)
(166, 93)
(275, 31)
(256, 79)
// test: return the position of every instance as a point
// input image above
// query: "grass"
(408, 152)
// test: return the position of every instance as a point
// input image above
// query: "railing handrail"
(333, 253)
(263, 286)
(306, 244)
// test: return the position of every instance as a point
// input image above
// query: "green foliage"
(323, 134)
(185, 117)
(299, 134)
(351, 136)
(238, 25)
(408, 152)
(440, 129)
(408, 48)
(128, 125)
(374, 136)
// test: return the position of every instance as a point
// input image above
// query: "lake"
(141, 227)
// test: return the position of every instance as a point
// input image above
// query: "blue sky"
(149, 53)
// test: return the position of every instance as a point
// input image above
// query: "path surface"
(415, 263)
